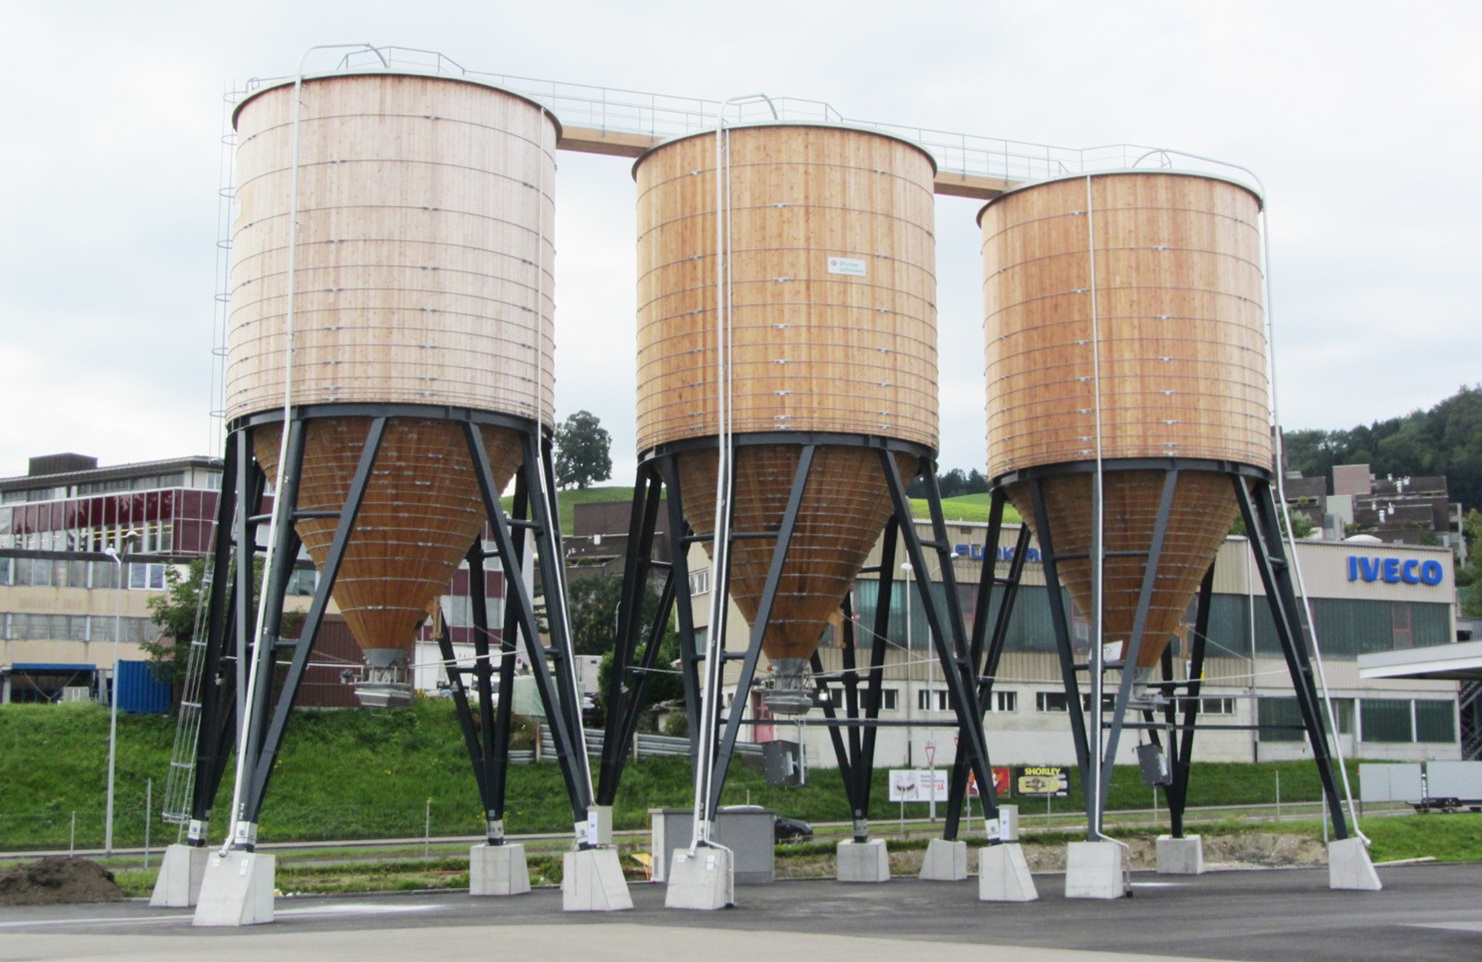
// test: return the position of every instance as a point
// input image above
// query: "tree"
(583, 449)
(174, 612)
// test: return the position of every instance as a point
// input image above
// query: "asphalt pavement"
(1426, 912)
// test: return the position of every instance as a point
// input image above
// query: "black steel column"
(949, 633)
(1177, 791)
(1264, 531)
(266, 743)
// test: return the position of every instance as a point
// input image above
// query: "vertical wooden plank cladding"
(422, 511)
(844, 507)
(1183, 370)
(1204, 507)
(1183, 348)
(425, 252)
(814, 350)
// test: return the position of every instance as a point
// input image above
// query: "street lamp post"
(117, 557)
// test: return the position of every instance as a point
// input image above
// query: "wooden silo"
(831, 266)
(421, 280)
(1124, 320)
(389, 372)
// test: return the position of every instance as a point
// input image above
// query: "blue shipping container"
(139, 692)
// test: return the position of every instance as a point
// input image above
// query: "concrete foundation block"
(1096, 870)
(237, 889)
(704, 879)
(863, 861)
(944, 862)
(1180, 856)
(1350, 868)
(498, 870)
(181, 871)
(1003, 874)
(592, 881)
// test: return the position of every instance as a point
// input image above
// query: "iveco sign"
(1395, 571)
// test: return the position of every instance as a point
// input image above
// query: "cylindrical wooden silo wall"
(422, 276)
(832, 289)
(1174, 261)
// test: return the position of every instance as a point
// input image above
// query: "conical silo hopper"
(831, 262)
(421, 291)
(1148, 283)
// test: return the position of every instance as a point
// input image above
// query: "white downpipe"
(245, 727)
(579, 736)
(1098, 537)
(1278, 450)
(720, 543)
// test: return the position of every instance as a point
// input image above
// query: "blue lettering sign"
(1394, 571)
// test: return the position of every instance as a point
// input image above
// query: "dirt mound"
(56, 881)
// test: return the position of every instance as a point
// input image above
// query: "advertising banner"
(1042, 781)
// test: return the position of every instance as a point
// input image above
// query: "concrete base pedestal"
(944, 862)
(179, 883)
(1003, 874)
(237, 889)
(1096, 870)
(1180, 856)
(863, 861)
(1349, 866)
(704, 880)
(592, 881)
(498, 870)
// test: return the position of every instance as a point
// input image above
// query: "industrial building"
(1365, 598)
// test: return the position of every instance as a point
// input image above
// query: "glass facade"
(169, 521)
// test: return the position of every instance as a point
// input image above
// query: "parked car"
(784, 828)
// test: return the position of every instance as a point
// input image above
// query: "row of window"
(935, 699)
(1392, 720)
(46, 573)
(1239, 626)
(20, 626)
(142, 482)
(140, 576)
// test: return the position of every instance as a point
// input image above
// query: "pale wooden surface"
(813, 350)
(844, 507)
(1183, 369)
(421, 513)
(425, 249)
(1204, 508)
(1182, 338)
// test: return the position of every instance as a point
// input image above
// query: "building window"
(887, 698)
(700, 582)
(1108, 702)
(1216, 706)
(1386, 720)
(1050, 701)
(1343, 712)
(1280, 720)
(1004, 701)
(1435, 721)
(931, 699)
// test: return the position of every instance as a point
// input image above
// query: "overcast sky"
(1361, 119)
